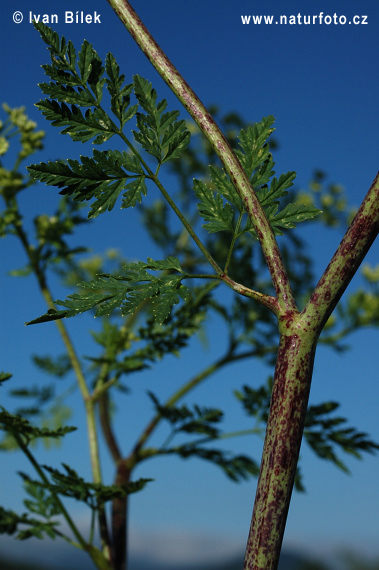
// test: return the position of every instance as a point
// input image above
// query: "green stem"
(270, 302)
(75, 363)
(235, 236)
(98, 558)
(183, 390)
(188, 227)
(170, 201)
(24, 448)
(219, 143)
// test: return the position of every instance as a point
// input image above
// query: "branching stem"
(299, 331)
(75, 363)
(98, 558)
(219, 143)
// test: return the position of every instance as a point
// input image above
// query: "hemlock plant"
(152, 308)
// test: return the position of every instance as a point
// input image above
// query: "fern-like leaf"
(126, 291)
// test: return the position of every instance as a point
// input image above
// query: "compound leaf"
(120, 95)
(126, 291)
(93, 124)
(16, 424)
(254, 150)
(224, 185)
(291, 215)
(159, 133)
(136, 189)
(198, 420)
(236, 467)
(217, 215)
(10, 522)
(102, 177)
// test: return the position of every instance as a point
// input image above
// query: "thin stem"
(24, 448)
(267, 300)
(170, 201)
(235, 236)
(106, 425)
(219, 143)
(270, 302)
(188, 227)
(75, 363)
(176, 396)
(346, 260)
(188, 387)
(98, 558)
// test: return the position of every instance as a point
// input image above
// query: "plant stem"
(188, 227)
(81, 542)
(346, 260)
(170, 201)
(284, 433)
(231, 247)
(292, 380)
(120, 517)
(75, 363)
(180, 393)
(219, 143)
(107, 428)
(97, 557)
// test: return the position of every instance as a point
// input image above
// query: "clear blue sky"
(321, 83)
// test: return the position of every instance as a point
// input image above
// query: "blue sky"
(321, 83)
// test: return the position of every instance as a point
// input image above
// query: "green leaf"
(94, 124)
(198, 420)
(41, 394)
(16, 424)
(323, 433)
(217, 215)
(278, 189)
(87, 60)
(159, 133)
(147, 96)
(263, 174)
(254, 150)
(42, 503)
(69, 484)
(256, 401)
(63, 70)
(163, 293)
(136, 189)
(51, 315)
(175, 140)
(58, 366)
(10, 521)
(225, 187)
(236, 467)
(102, 177)
(291, 215)
(168, 264)
(51, 38)
(4, 376)
(64, 94)
(126, 291)
(120, 95)
(171, 336)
